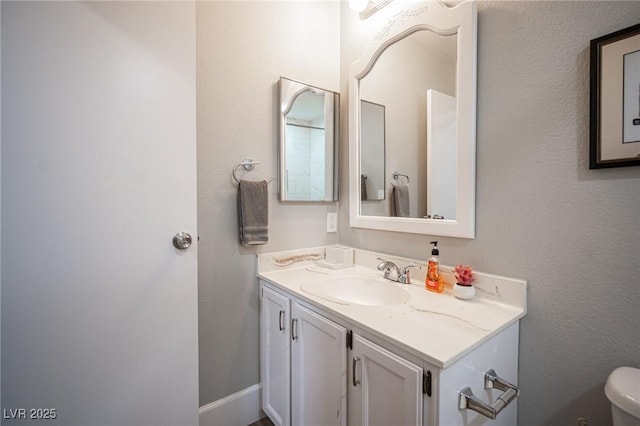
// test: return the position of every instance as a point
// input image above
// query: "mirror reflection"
(308, 135)
(372, 157)
(413, 83)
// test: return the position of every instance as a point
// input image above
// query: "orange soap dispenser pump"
(433, 282)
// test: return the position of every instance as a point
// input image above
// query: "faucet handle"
(405, 277)
(412, 266)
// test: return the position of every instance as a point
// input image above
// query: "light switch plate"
(332, 222)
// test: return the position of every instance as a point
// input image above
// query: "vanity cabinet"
(304, 372)
(321, 368)
(303, 364)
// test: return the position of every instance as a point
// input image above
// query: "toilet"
(623, 390)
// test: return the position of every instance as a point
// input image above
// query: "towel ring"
(248, 165)
(396, 174)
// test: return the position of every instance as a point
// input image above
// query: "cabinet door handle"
(353, 370)
(294, 334)
(281, 321)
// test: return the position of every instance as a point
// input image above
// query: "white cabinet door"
(384, 389)
(275, 358)
(318, 365)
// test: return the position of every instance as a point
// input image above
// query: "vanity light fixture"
(366, 8)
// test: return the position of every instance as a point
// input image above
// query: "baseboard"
(240, 409)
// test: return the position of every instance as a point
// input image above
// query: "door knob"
(182, 240)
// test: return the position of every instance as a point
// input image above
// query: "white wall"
(542, 215)
(243, 49)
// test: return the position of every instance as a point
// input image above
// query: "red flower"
(464, 275)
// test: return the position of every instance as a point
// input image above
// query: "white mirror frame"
(437, 17)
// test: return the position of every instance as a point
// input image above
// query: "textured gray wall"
(242, 50)
(542, 215)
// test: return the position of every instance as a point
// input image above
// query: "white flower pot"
(464, 292)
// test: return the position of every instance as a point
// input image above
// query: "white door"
(99, 310)
(384, 389)
(275, 357)
(318, 370)
(441, 154)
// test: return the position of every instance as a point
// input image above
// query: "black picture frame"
(614, 120)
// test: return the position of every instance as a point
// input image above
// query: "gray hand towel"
(253, 212)
(400, 202)
(363, 187)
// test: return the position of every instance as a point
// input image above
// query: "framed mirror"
(421, 67)
(308, 150)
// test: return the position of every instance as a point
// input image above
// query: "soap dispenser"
(433, 282)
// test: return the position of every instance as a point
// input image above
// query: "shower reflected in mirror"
(308, 143)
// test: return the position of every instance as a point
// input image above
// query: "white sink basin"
(359, 291)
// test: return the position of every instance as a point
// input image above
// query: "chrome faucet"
(401, 275)
(387, 266)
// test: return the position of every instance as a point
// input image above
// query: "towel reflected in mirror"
(363, 187)
(399, 202)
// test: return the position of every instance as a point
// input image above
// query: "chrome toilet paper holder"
(468, 401)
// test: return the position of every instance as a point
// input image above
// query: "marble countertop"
(436, 327)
